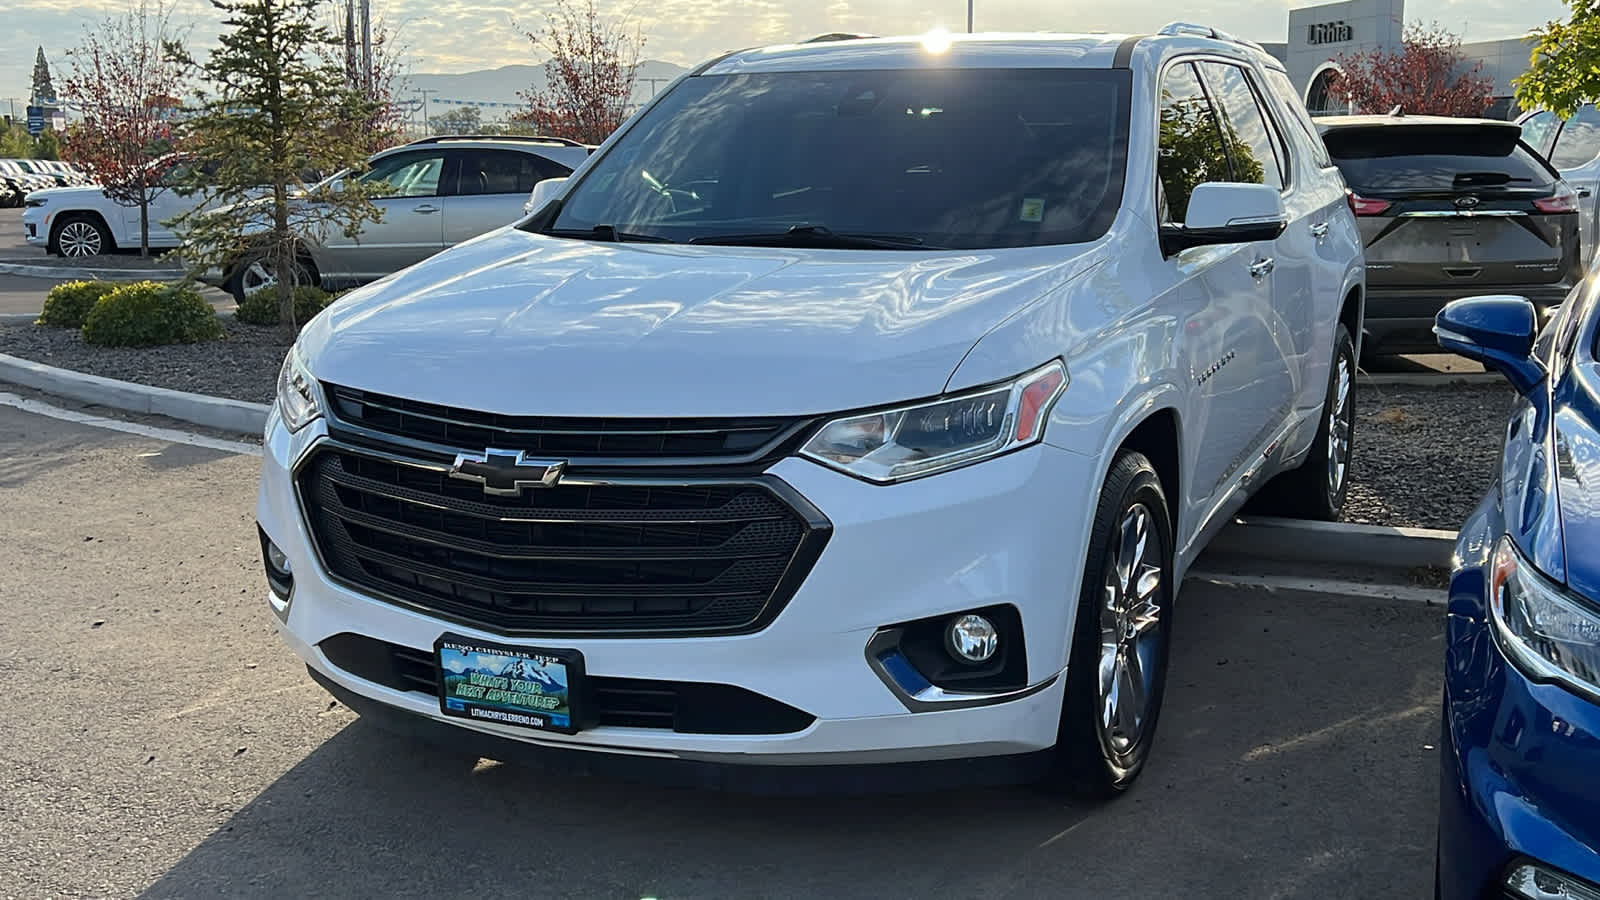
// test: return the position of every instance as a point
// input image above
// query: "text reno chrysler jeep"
(859, 402)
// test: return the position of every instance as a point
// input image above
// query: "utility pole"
(427, 128)
(653, 83)
(366, 48)
(969, 16)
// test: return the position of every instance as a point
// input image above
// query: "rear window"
(1420, 159)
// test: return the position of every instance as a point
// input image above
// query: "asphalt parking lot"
(162, 743)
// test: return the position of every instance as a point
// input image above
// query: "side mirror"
(1496, 330)
(1227, 213)
(543, 193)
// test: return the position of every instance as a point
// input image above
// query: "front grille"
(648, 441)
(614, 558)
(688, 707)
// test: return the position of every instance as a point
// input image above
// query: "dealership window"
(1250, 144)
(1320, 98)
(1191, 149)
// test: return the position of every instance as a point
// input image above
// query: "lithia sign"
(1330, 33)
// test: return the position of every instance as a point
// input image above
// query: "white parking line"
(1406, 592)
(170, 435)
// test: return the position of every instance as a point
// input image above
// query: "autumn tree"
(1564, 70)
(382, 83)
(589, 75)
(124, 89)
(44, 91)
(461, 120)
(1426, 76)
(276, 106)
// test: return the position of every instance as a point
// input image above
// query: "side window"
(1538, 130)
(406, 175)
(1191, 149)
(1278, 83)
(1579, 141)
(504, 172)
(1249, 142)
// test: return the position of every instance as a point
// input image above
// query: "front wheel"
(80, 236)
(257, 273)
(1117, 672)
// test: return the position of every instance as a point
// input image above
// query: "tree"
(1427, 76)
(461, 120)
(589, 76)
(44, 92)
(1564, 68)
(15, 142)
(381, 86)
(124, 86)
(47, 145)
(279, 107)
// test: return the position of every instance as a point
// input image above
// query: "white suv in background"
(735, 462)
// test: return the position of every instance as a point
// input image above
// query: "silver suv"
(441, 191)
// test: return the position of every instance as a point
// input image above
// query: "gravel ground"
(1423, 455)
(243, 365)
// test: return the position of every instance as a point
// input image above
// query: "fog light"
(1536, 882)
(972, 639)
(277, 560)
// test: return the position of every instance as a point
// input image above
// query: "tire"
(1316, 489)
(255, 273)
(78, 236)
(1097, 760)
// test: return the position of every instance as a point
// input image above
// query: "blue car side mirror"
(1497, 331)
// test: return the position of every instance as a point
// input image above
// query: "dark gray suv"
(1449, 208)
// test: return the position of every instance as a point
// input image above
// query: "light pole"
(427, 128)
(969, 16)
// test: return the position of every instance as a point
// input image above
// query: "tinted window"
(965, 158)
(406, 175)
(1278, 83)
(504, 172)
(1255, 160)
(1579, 142)
(1421, 158)
(1538, 129)
(1191, 151)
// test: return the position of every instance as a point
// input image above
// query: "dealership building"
(1319, 35)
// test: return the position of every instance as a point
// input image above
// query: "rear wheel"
(80, 236)
(1117, 673)
(1316, 489)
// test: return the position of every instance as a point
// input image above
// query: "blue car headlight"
(1550, 633)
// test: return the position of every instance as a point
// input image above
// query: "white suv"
(857, 403)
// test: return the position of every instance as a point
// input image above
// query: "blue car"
(1519, 805)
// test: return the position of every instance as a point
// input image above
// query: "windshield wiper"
(817, 236)
(607, 233)
(1486, 179)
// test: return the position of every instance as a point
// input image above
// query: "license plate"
(520, 686)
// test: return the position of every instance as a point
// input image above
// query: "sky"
(467, 35)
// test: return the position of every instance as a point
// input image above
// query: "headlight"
(911, 441)
(298, 400)
(33, 202)
(1551, 634)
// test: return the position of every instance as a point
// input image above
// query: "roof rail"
(837, 36)
(1173, 28)
(528, 138)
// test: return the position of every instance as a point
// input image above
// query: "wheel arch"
(1352, 313)
(1158, 436)
(72, 215)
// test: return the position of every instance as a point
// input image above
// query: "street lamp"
(969, 16)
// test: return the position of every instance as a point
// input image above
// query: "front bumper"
(1008, 531)
(1520, 761)
(36, 226)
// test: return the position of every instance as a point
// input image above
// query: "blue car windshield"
(953, 158)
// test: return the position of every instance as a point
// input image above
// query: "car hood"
(85, 192)
(525, 324)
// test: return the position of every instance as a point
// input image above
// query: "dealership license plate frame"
(505, 708)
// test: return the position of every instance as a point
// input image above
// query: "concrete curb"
(1372, 546)
(1429, 379)
(66, 273)
(233, 416)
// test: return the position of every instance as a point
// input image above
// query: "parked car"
(83, 221)
(438, 192)
(735, 463)
(1573, 147)
(1448, 208)
(1520, 754)
(15, 183)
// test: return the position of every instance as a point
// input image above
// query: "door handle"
(1319, 230)
(425, 209)
(1261, 268)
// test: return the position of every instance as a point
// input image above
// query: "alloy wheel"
(1130, 624)
(78, 239)
(1340, 413)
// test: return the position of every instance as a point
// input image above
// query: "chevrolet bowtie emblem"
(507, 473)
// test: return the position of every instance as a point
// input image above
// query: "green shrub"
(146, 313)
(68, 304)
(261, 307)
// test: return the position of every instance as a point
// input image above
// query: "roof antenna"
(1396, 112)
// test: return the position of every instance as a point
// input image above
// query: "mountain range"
(503, 84)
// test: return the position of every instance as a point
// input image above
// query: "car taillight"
(1366, 206)
(1563, 202)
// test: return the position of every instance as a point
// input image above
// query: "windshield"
(957, 158)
